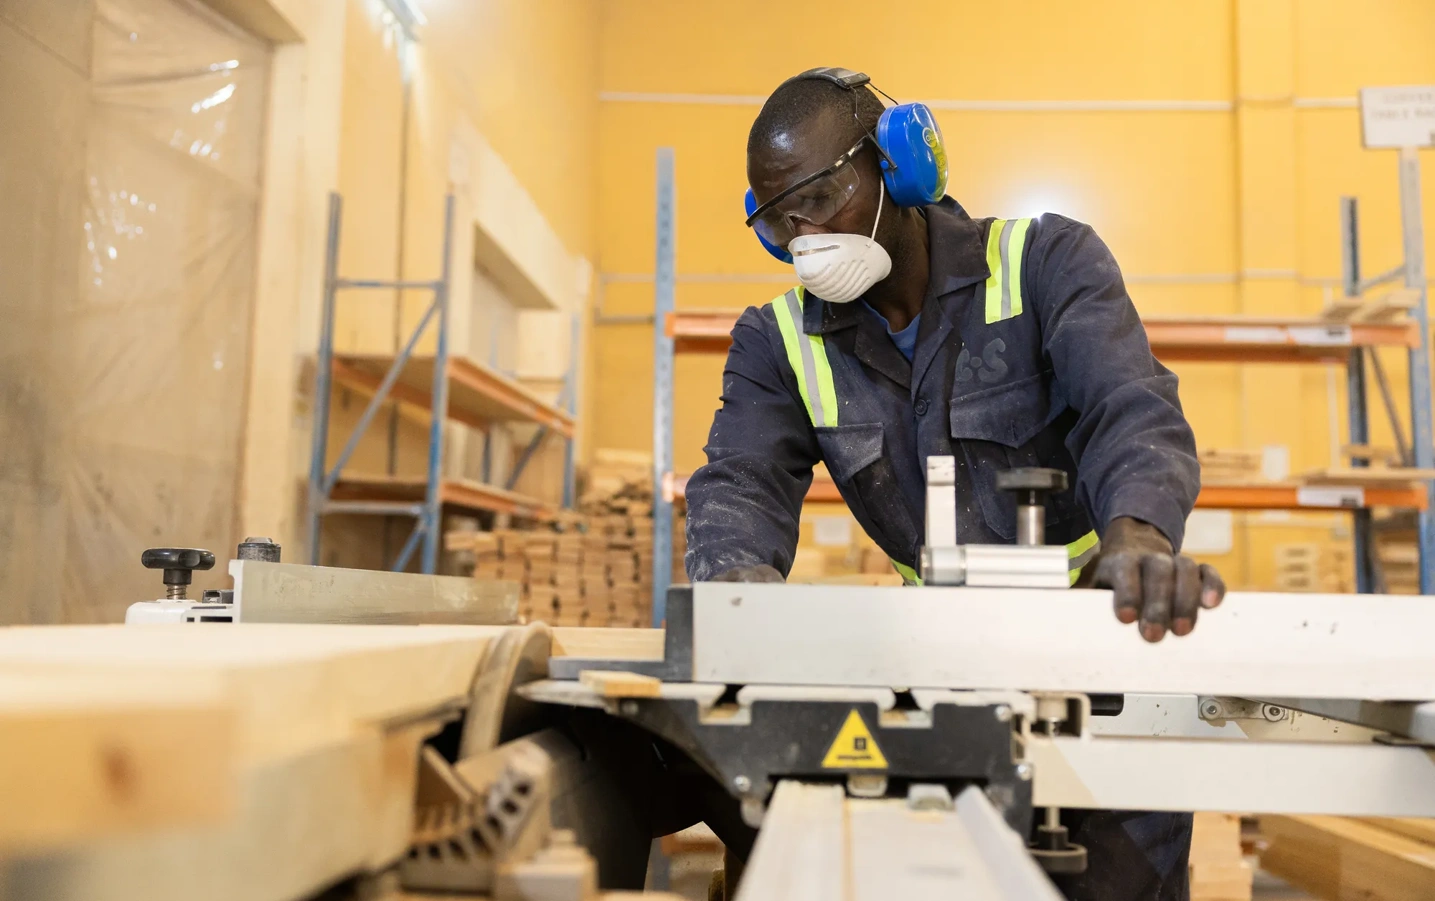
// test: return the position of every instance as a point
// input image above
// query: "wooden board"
(327, 721)
(623, 644)
(1410, 827)
(86, 760)
(1348, 860)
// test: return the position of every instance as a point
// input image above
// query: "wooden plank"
(619, 644)
(328, 720)
(613, 684)
(87, 759)
(292, 593)
(1410, 827)
(1348, 860)
(294, 686)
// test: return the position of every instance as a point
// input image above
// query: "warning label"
(854, 748)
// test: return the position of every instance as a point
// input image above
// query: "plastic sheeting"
(122, 377)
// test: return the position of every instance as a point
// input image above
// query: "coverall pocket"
(1003, 428)
(855, 457)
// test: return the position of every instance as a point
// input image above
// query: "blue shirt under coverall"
(1069, 383)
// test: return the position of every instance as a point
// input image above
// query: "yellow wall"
(1210, 211)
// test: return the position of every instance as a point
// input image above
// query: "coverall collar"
(956, 258)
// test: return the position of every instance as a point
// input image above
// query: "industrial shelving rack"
(446, 388)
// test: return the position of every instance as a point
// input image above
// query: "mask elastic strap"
(881, 195)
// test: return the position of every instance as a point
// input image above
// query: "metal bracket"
(1213, 708)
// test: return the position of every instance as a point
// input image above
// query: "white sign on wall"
(1397, 117)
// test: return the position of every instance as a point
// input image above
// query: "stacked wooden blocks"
(1218, 870)
(1312, 567)
(1229, 466)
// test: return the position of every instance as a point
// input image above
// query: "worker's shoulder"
(757, 320)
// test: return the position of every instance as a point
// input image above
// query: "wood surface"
(326, 725)
(623, 644)
(1348, 860)
(614, 684)
(1421, 830)
(85, 760)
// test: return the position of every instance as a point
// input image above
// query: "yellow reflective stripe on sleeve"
(1005, 242)
(807, 354)
(908, 574)
(1080, 552)
(994, 266)
(826, 386)
(791, 341)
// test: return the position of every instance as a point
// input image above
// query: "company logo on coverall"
(989, 368)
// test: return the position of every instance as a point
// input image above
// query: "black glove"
(760, 573)
(1163, 589)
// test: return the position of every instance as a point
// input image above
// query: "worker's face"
(792, 155)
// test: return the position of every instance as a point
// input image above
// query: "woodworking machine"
(897, 742)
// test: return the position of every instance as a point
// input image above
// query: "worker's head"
(816, 157)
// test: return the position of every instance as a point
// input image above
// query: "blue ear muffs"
(749, 204)
(909, 136)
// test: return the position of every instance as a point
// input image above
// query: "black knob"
(179, 564)
(264, 549)
(1031, 485)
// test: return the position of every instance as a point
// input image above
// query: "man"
(920, 331)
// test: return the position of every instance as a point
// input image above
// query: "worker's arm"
(743, 506)
(1137, 470)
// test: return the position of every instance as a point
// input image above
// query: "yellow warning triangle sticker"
(854, 748)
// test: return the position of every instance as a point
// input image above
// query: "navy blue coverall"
(1069, 383)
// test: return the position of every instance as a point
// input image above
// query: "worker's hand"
(1149, 582)
(760, 573)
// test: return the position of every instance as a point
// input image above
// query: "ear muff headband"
(914, 163)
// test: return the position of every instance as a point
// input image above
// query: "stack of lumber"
(1311, 567)
(592, 568)
(1218, 870)
(1229, 466)
(1399, 563)
(1391, 306)
(1372, 859)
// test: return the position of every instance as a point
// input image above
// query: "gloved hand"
(1162, 589)
(760, 573)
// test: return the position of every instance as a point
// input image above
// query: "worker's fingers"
(1213, 587)
(1158, 584)
(760, 573)
(1122, 574)
(1186, 602)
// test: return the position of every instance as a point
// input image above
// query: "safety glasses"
(814, 199)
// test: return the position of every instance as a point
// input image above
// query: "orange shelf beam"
(477, 395)
(461, 494)
(1235, 339)
(1220, 497)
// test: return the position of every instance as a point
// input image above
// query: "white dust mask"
(840, 268)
